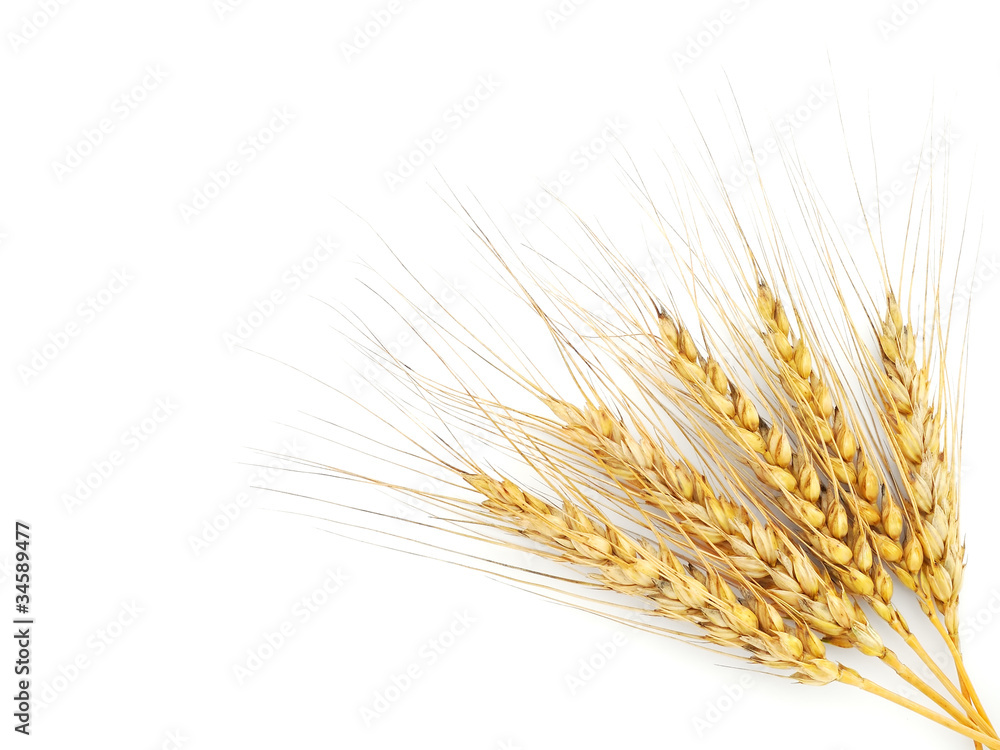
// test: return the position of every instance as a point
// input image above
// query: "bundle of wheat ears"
(760, 456)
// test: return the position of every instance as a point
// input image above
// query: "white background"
(165, 677)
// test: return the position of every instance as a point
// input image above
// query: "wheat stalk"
(801, 516)
(808, 501)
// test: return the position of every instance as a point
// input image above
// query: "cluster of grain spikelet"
(742, 490)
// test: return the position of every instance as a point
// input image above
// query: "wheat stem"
(850, 677)
(964, 680)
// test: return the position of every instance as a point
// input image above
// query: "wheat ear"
(678, 591)
(763, 553)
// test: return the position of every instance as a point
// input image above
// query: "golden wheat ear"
(732, 458)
